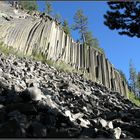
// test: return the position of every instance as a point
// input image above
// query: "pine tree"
(123, 76)
(65, 26)
(29, 5)
(57, 17)
(81, 22)
(90, 40)
(138, 82)
(124, 17)
(133, 77)
(49, 8)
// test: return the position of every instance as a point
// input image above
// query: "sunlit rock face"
(39, 33)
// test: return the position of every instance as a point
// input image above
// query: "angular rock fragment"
(117, 132)
(36, 129)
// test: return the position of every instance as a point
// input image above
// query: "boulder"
(117, 132)
(36, 129)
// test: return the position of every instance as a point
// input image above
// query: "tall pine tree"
(133, 77)
(65, 26)
(29, 5)
(57, 17)
(124, 17)
(90, 40)
(49, 8)
(138, 83)
(81, 22)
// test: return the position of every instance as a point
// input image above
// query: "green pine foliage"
(29, 5)
(49, 8)
(80, 23)
(133, 77)
(132, 97)
(66, 28)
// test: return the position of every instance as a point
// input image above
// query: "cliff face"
(30, 34)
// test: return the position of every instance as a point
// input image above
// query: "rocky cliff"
(42, 34)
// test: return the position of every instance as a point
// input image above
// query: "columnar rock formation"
(44, 35)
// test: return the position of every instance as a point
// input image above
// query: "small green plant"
(59, 65)
(134, 99)
(6, 50)
(62, 66)
(38, 56)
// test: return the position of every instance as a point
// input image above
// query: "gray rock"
(102, 122)
(60, 104)
(117, 132)
(10, 129)
(26, 108)
(1, 107)
(1, 72)
(36, 129)
(88, 133)
(110, 124)
(32, 93)
(2, 115)
(7, 76)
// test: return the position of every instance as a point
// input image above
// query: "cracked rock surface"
(37, 100)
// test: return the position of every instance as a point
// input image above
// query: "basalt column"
(112, 78)
(117, 81)
(51, 40)
(56, 46)
(88, 58)
(75, 55)
(108, 74)
(99, 67)
(71, 52)
(103, 69)
(81, 56)
(92, 67)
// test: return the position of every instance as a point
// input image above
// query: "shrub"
(134, 99)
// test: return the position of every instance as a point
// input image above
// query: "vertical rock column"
(45, 38)
(104, 72)
(108, 73)
(65, 49)
(68, 50)
(92, 64)
(126, 91)
(112, 78)
(81, 56)
(96, 66)
(72, 53)
(30, 33)
(99, 67)
(87, 58)
(78, 56)
(121, 87)
(75, 55)
(56, 46)
(117, 81)
(62, 46)
(52, 41)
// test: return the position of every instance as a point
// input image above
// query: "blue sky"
(118, 49)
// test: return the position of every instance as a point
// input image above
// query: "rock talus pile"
(37, 100)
